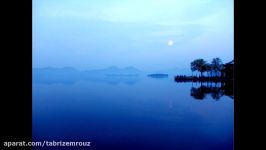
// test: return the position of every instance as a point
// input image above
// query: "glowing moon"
(170, 43)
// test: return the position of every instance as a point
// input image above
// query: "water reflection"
(130, 116)
(215, 90)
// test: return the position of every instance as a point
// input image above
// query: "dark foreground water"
(139, 114)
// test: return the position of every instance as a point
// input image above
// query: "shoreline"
(201, 79)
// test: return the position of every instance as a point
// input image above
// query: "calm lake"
(132, 113)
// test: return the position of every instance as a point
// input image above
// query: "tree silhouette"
(199, 65)
(202, 66)
(216, 65)
(209, 69)
(193, 66)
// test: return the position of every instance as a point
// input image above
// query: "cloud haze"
(97, 34)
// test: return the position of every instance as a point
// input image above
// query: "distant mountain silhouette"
(114, 71)
(113, 75)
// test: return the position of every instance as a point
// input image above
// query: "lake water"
(139, 114)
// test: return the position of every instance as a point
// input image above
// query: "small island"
(158, 75)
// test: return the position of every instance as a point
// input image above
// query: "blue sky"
(90, 34)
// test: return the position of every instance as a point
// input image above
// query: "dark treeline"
(200, 79)
(215, 71)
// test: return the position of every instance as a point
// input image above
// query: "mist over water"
(104, 72)
(131, 112)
